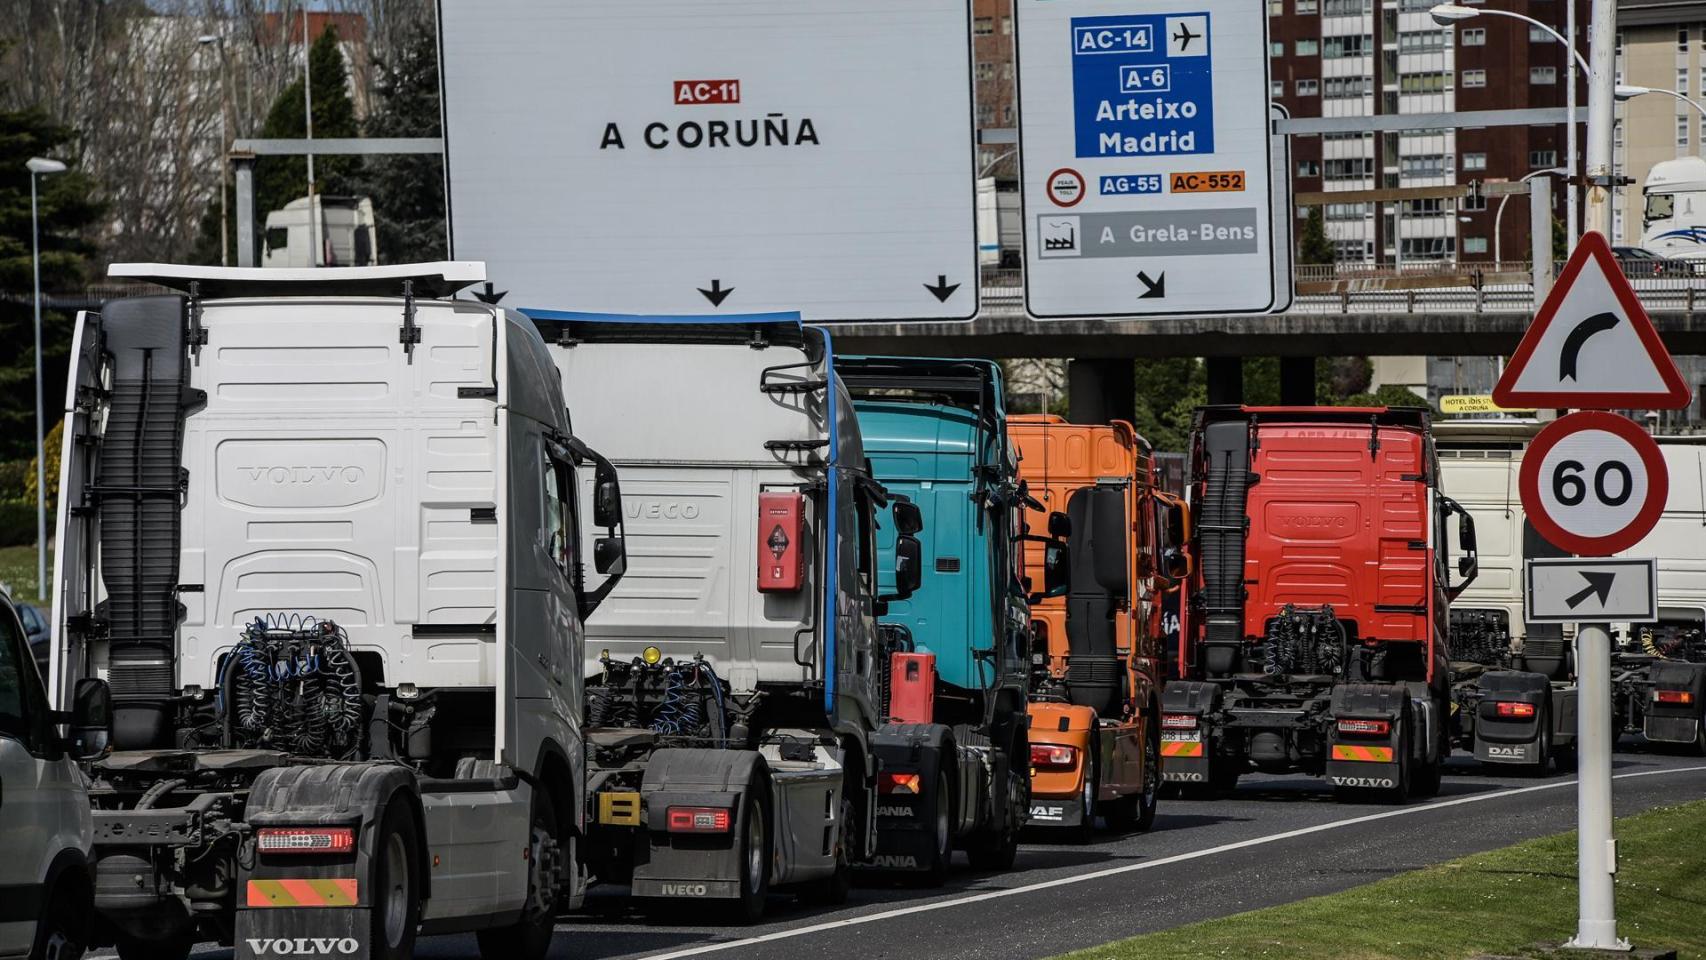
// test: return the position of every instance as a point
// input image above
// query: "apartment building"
(1660, 44)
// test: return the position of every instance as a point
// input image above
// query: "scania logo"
(661, 510)
(305, 475)
(894, 811)
(683, 889)
(1380, 782)
(895, 861)
(304, 946)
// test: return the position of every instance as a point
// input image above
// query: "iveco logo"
(304, 946)
(304, 475)
(661, 510)
(683, 889)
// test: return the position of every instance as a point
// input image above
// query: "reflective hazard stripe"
(336, 892)
(1181, 748)
(1351, 751)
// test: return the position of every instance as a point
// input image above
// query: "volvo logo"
(304, 946)
(1380, 782)
(304, 475)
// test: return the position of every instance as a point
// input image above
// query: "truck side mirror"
(1057, 568)
(1178, 523)
(610, 556)
(1175, 564)
(91, 718)
(908, 519)
(908, 568)
(606, 496)
(1059, 525)
(1466, 533)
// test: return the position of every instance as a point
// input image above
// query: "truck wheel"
(62, 929)
(942, 823)
(754, 852)
(1425, 781)
(396, 911)
(1085, 832)
(1137, 811)
(832, 890)
(530, 939)
(992, 850)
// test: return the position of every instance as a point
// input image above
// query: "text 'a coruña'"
(775, 130)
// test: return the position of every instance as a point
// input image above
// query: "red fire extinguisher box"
(781, 552)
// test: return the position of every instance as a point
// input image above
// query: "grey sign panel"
(1160, 233)
(1586, 590)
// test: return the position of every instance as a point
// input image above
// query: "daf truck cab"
(734, 682)
(320, 548)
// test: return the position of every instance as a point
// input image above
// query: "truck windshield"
(1660, 206)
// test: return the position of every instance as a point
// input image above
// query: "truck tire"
(942, 823)
(64, 923)
(529, 939)
(1425, 779)
(754, 852)
(832, 890)
(1085, 831)
(396, 912)
(1137, 811)
(996, 850)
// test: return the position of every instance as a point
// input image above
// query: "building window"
(1542, 75)
(1428, 248)
(1007, 70)
(1308, 88)
(1276, 88)
(1474, 78)
(1682, 130)
(1308, 48)
(1352, 251)
(986, 71)
(1276, 49)
(1352, 46)
(1539, 35)
(1276, 8)
(1422, 41)
(1474, 161)
(1305, 7)
(1350, 168)
(1007, 26)
(1339, 88)
(1682, 39)
(1424, 82)
(1308, 168)
(1474, 244)
(1617, 134)
(1346, 8)
(1542, 159)
(986, 114)
(1473, 37)
(1470, 204)
(1347, 211)
(1431, 207)
(1430, 165)
(1682, 80)
(983, 26)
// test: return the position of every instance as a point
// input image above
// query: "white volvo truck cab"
(320, 540)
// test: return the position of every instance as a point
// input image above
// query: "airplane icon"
(1184, 36)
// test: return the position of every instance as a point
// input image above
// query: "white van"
(45, 826)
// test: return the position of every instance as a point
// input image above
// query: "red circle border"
(1083, 187)
(1658, 483)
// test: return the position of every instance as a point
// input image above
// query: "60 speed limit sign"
(1593, 483)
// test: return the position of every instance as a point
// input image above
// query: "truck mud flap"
(695, 866)
(1056, 812)
(1675, 704)
(1186, 752)
(1511, 739)
(1370, 762)
(910, 758)
(315, 906)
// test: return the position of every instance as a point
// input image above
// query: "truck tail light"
(698, 820)
(1672, 696)
(781, 561)
(1372, 728)
(1050, 756)
(1514, 710)
(1178, 721)
(901, 783)
(305, 839)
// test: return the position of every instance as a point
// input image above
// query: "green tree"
(67, 213)
(279, 180)
(408, 189)
(1385, 395)
(1168, 389)
(1313, 247)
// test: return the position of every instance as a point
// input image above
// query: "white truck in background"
(998, 223)
(1673, 217)
(735, 679)
(320, 554)
(348, 235)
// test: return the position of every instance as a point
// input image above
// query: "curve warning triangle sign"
(1592, 344)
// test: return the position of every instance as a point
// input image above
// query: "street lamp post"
(1499, 215)
(39, 167)
(1448, 13)
(224, 145)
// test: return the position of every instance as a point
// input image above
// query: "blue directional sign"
(1142, 86)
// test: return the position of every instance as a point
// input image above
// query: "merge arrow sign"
(1586, 589)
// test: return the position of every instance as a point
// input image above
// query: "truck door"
(36, 802)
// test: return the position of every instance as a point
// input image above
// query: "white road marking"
(1134, 867)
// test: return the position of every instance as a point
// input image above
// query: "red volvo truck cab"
(1314, 636)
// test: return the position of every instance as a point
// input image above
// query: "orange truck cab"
(1096, 662)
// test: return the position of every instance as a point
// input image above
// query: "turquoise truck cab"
(935, 431)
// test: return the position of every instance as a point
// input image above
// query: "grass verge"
(18, 571)
(1499, 902)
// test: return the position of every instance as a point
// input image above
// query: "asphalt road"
(1277, 840)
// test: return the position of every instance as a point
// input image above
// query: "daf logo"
(895, 861)
(683, 889)
(661, 510)
(1515, 753)
(303, 475)
(304, 946)
(1043, 811)
(1381, 782)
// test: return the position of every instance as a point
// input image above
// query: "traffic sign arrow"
(1155, 288)
(943, 289)
(1599, 583)
(1592, 344)
(718, 293)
